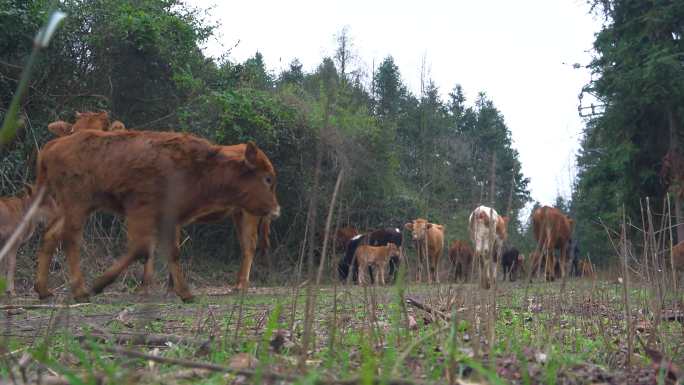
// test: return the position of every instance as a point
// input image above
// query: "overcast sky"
(519, 52)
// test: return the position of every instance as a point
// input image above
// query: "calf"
(461, 256)
(488, 233)
(511, 262)
(252, 232)
(376, 256)
(159, 181)
(586, 268)
(428, 239)
(12, 211)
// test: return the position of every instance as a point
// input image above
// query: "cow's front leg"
(247, 226)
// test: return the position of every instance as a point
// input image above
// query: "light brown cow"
(86, 121)
(428, 238)
(12, 211)
(586, 268)
(461, 256)
(158, 181)
(376, 256)
(252, 232)
(552, 230)
(488, 231)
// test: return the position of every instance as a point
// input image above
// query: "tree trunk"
(492, 181)
(676, 180)
(328, 221)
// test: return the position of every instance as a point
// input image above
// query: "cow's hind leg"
(148, 273)
(72, 235)
(11, 263)
(179, 284)
(48, 246)
(141, 243)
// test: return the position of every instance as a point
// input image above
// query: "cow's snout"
(275, 213)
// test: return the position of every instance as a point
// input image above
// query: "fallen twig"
(415, 303)
(42, 306)
(243, 372)
(144, 339)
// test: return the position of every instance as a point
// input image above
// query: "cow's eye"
(268, 179)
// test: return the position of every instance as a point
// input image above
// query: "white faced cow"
(488, 233)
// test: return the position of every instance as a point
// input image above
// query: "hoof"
(98, 286)
(144, 290)
(188, 299)
(81, 296)
(43, 293)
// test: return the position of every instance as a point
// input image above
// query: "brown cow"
(343, 236)
(376, 256)
(461, 256)
(678, 257)
(158, 180)
(12, 211)
(253, 237)
(552, 230)
(253, 232)
(488, 232)
(86, 121)
(428, 239)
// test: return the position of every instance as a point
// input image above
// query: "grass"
(544, 338)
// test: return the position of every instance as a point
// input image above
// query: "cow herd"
(161, 181)
(488, 235)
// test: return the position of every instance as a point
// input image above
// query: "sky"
(520, 53)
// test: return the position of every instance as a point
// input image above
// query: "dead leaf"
(242, 361)
(412, 324)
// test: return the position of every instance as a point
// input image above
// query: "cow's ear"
(409, 226)
(60, 128)
(78, 115)
(251, 155)
(429, 226)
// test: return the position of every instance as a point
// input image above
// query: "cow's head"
(392, 250)
(256, 182)
(418, 228)
(60, 128)
(91, 121)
